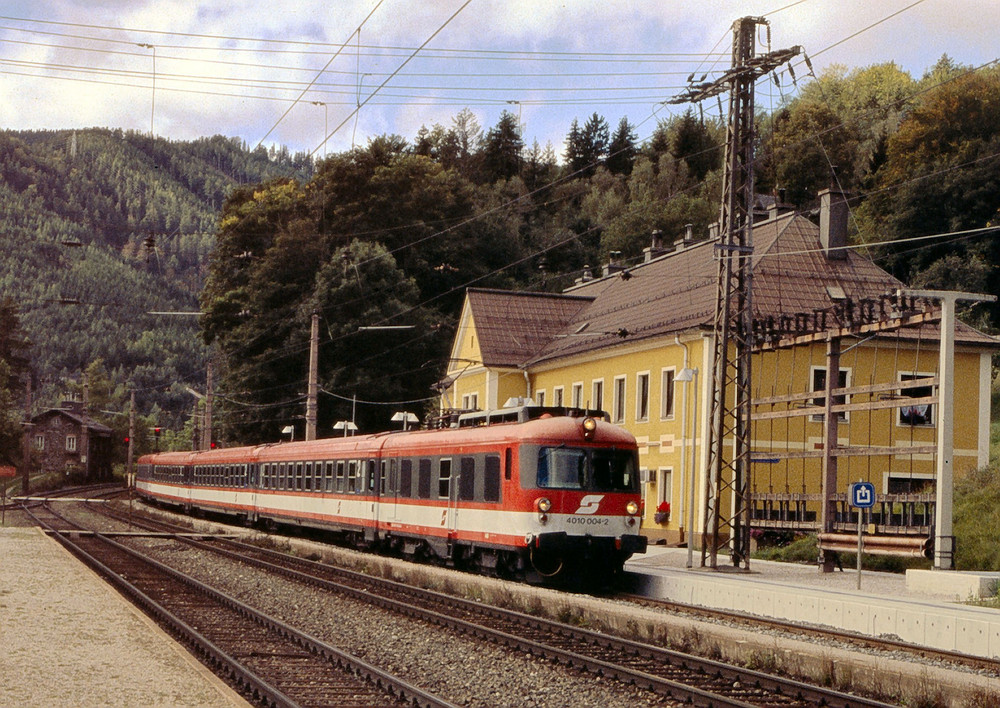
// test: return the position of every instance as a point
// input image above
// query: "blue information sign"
(863, 495)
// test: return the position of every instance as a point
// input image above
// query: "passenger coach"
(529, 493)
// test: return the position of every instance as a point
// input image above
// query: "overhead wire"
(855, 34)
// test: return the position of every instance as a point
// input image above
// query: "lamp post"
(405, 417)
(687, 375)
(326, 123)
(289, 430)
(152, 107)
(346, 426)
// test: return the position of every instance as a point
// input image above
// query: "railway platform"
(68, 639)
(922, 609)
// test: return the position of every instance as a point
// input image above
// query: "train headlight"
(589, 428)
(632, 508)
(543, 504)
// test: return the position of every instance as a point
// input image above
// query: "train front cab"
(585, 509)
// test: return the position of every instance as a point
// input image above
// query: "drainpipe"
(527, 384)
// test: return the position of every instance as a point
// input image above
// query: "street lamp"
(405, 417)
(152, 107)
(289, 430)
(326, 123)
(345, 425)
(686, 376)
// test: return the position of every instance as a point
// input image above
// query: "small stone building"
(68, 440)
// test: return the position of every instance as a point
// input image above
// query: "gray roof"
(676, 293)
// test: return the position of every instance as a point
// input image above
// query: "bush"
(977, 520)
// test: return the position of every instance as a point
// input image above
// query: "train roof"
(543, 425)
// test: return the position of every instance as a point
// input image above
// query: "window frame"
(597, 394)
(904, 376)
(843, 416)
(619, 399)
(668, 377)
(642, 397)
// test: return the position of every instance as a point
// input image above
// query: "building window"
(918, 414)
(642, 396)
(819, 384)
(578, 395)
(597, 401)
(70, 443)
(664, 495)
(664, 486)
(557, 396)
(40, 441)
(470, 402)
(618, 404)
(540, 397)
(667, 393)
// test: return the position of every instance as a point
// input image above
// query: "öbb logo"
(589, 504)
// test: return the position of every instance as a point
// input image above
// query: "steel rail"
(377, 591)
(236, 670)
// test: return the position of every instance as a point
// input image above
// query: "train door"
(386, 495)
(369, 479)
(447, 489)
(252, 484)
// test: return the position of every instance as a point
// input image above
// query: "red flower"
(664, 507)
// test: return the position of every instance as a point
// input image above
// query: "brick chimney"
(833, 223)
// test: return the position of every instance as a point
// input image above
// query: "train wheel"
(547, 565)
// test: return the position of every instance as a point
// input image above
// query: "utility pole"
(26, 441)
(313, 390)
(206, 441)
(728, 476)
(131, 437)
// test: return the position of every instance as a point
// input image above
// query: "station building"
(637, 342)
(67, 440)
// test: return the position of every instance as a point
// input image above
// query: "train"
(530, 493)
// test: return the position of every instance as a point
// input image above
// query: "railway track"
(797, 630)
(269, 662)
(678, 676)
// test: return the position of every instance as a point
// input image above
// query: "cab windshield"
(589, 469)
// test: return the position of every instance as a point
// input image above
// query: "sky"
(322, 75)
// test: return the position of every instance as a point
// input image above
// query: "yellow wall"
(663, 443)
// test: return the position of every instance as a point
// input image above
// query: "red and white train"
(536, 494)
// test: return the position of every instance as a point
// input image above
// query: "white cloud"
(915, 39)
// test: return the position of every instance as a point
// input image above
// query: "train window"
(444, 479)
(352, 476)
(282, 475)
(467, 479)
(508, 463)
(299, 476)
(328, 477)
(340, 476)
(383, 477)
(406, 478)
(587, 468)
(307, 482)
(424, 479)
(491, 479)
(371, 475)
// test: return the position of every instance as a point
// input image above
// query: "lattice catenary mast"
(729, 476)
